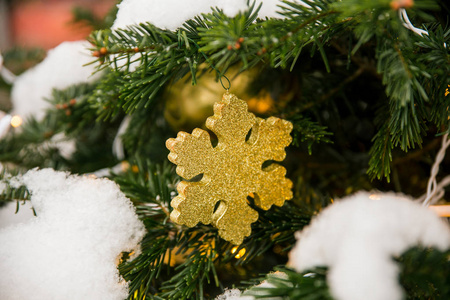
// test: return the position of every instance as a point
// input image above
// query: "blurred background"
(28, 28)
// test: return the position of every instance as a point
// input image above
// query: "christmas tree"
(232, 150)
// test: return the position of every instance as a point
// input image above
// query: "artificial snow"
(231, 294)
(71, 249)
(62, 68)
(171, 14)
(357, 238)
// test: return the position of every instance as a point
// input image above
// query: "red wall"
(44, 23)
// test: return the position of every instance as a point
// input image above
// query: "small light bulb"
(240, 253)
(375, 197)
(16, 121)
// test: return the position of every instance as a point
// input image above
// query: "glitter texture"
(231, 171)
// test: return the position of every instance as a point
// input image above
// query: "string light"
(118, 148)
(374, 197)
(435, 191)
(407, 23)
(240, 253)
(441, 210)
(16, 121)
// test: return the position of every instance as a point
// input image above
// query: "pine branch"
(425, 273)
(71, 119)
(404, 77)
(32, 146)
(308, 131)
(195, 271)
(292, 285)
(212, 42)
(408, 83)
(104, 99)
(146, 134)
(10, 190)
(274, 227)
(435, 58)
(381, 154)
(144, 271)
(150, 188)
(402, 86)
(163, 55)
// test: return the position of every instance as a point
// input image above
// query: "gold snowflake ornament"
(231, 171)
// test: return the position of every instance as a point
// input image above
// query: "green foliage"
(436, 60)
(196, 270)
(292, 285)
(425, 273)
(307, 131)
(162, 54)
(10, 191)
(32, 146)
(105, 96)
(70, 120)
(381, 154)
(274, 227)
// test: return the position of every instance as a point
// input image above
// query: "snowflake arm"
(199, 143)
(224, 122)
(193, 204)
(268, 193)
(270, 137)
(234, 221)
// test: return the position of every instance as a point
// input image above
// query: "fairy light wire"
(407, 23)
(118, 148)
(435, 191)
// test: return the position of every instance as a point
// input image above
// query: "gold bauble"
(187, 105)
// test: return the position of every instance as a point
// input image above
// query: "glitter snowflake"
(230, 171)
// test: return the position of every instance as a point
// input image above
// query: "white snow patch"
(62, 68)
(70, 250)
(357, 238)
(231, 294)
(171, 14)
